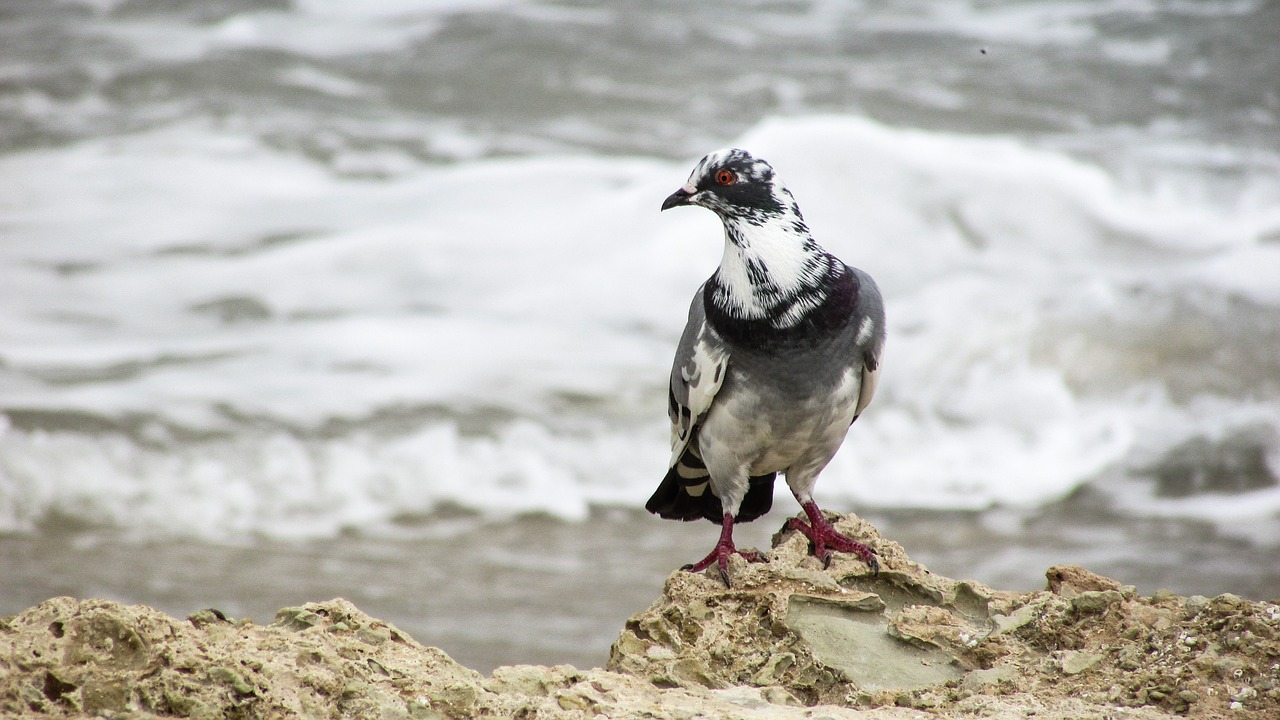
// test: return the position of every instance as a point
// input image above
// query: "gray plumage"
(780, 355)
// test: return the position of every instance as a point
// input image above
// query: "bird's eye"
(726, 177)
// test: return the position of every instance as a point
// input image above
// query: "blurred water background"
(310, 298)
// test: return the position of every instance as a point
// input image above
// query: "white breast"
(735, 437)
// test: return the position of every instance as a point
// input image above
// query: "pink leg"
(721, 552)
(825, 538)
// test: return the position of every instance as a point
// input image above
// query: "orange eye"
(726, 177)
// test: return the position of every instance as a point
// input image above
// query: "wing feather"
(697, 374)
(870, 338)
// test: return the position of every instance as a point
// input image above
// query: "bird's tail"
(686, 494)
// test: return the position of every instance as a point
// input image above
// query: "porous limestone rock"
(790, 640)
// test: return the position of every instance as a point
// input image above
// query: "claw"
(787, 525)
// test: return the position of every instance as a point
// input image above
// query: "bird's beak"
(679, 197)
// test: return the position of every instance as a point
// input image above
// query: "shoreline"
(492, 593)
(790, 638)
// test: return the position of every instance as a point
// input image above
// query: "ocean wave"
(1050, 327)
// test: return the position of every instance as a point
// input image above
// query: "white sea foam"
(241, 323)
(278, 485)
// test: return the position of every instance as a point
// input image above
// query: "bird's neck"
(772, 270)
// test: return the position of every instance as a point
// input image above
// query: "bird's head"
(735, 185)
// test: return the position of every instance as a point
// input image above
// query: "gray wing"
(870, 338)
(699, 369)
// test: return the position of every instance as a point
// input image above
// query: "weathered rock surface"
(789, 640)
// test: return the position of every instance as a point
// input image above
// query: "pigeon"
(780, 356)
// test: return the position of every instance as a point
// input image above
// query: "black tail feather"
(672, 500)
(759, 498)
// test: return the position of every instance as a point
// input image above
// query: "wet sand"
(543, 591)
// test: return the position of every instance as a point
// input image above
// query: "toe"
(799, 526)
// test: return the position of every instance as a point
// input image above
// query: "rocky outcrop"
(789, 640)
(907, 637)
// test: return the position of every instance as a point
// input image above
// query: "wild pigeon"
(779, 357)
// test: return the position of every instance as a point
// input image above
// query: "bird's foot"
(719, 555)
(826, 538)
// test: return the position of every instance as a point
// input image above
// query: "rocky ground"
(789, 640)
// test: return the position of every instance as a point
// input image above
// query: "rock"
(97, 656)
(1195, 604)
(1075, 662)
(778, 627)
(885, 659)
(791, 640)
(1019, 618)
(981, 680)
(521, 679)
(935, 628)
(208, 616)
(1071, 580)
(1226, 603)
(1095, 601)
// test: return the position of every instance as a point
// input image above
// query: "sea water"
(300, 271)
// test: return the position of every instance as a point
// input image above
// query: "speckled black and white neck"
(774, 283)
